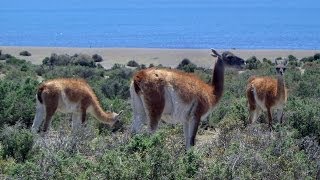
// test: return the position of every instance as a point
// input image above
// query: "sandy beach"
(166, 57)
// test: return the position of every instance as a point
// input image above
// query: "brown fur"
(151, 83)
(267, 89)
(77, 91)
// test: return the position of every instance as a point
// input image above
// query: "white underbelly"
(175, 110)
(66, 106)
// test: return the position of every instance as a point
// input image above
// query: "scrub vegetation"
(227, 146)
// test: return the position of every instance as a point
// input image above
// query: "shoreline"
(166, 57)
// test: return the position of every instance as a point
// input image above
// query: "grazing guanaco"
(68, 96)
(176, 97)
(267, 94)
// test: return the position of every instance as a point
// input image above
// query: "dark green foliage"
(142, 66)
(24, 68)
(72, 71)
(293, 61)
(132, 63)
(304, 115)
(25, 53)
(56, 60)
(40, 70)
(308, 84)
(117, 83)
(64, 59)
(15, 61)
(292, 58)
(17, 99)
(5, 56)
(265, 60)
(253, 63)
(316, 56)
(97, 58)
(311, 58)
(186, 65)
(83, 60)
(307, 59)
(16, 143)
(117, 66)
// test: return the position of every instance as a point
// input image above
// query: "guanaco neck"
(218, 78)
(280, 86)
(100, 114)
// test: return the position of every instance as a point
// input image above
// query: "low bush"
(5, 56)
(65, 59)
(304, 115)
(117, 84)
(17, 101)
(316, 56)
(132, 63)
(253, 63)
(187, 66)
(83, 60)
(25, 53)
(97, 58)
(16, 142)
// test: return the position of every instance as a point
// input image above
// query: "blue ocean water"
(241, 24)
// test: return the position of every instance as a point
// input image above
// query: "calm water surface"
(243, 24)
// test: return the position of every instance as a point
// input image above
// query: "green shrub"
(16, 142)
(253, 63)
(5, 56)
(316, 56)
(65, 59)
(117, 84)
(57, 60)
(25, 53)
(132, 63)
(17, 101)
(292, 58)
(304, 115)
(307, 59)
(73, 71)
(15, 61)
(24, 68)
(97, 58)
(267, 61)
(186, 65)
(83, 60)
(142, 66)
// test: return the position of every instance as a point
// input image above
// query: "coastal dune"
(166, 57)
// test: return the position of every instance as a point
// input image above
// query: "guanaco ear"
(120, 112)
(286, 61)
(215, 53)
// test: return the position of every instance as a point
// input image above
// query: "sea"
(222, 24)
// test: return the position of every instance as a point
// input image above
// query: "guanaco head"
(281, 66)
(117, 123)
(117, 116)
(232, 60)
